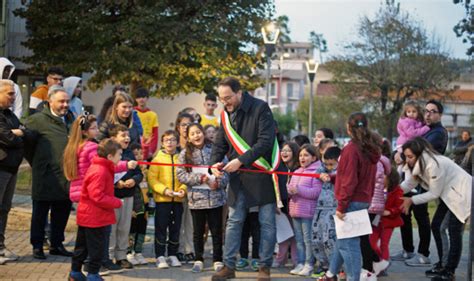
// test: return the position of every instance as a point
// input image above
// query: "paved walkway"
(57, 268)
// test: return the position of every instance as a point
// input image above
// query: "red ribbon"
(241, 169)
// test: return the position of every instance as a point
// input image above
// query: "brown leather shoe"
(224, 274)
(263, 274)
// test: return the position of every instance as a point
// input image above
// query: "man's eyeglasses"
(431, 112)
(226, 99)
(170, 140)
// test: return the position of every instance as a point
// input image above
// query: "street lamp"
(311, 67)
(270, 36)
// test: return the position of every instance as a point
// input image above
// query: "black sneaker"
(435, 271)
(444, 275)
(181, 257)
(112, 267)
(125, 264)
(189, 258)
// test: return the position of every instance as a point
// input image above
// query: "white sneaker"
(306, 271)
(365, 275)
(131, 259)
(197, 267)
(140, 259)
(402, 255)
(161, 263)
(418, 260)
(8, 255)
(174, 261)
(380, 266)
(218, 266)
(297, 269)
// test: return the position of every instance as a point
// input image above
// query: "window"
(289, 90)
(272, 90)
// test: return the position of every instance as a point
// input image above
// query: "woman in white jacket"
(444, 180)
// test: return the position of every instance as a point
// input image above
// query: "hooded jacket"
(75, 104)
(85, 154)
(17, 107)
(303, 203)
(201, 198)
(378, 201)
(97, 204)
(408, 129)
(394, 202)
(355, 179)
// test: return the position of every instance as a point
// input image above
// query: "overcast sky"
(337, 19)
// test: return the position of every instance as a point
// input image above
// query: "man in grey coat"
(253, 121)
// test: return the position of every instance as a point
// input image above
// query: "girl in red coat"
(390, 219)
(95, 211)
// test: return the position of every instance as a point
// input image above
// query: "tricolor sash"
(261, 163)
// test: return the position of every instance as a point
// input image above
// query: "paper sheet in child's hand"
(118, 176)
(355, 224)
(199, 170)
(283, 226)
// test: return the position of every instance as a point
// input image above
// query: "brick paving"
(57, 268)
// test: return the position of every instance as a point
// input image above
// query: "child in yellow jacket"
(169, 194)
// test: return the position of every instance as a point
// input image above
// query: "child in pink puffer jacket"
(303, 193)
(79, 152)
(411, 123)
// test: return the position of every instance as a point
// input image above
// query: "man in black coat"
(11, 155)
(253, 121)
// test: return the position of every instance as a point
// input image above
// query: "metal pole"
(281, 80)
(470, 257)
(269, 64)
(310, 115)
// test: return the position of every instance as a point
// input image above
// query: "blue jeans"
(233, 235)
(302, 228)
(347, 250)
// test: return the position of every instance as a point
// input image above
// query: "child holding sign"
(206, 195)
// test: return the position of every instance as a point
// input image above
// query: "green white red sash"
(261, 163)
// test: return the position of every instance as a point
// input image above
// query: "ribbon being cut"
(241, 147)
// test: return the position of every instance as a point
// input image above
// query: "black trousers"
(424, 230)
(167, 224)
(137, 233)
(455, 230)
(368, 254)
(89, 244)
(213, 217)
(251, 228)
(59, 215)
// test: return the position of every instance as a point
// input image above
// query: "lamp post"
(282, 56)
(269, 31)
(311, 67)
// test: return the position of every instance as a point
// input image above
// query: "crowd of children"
(114, 195)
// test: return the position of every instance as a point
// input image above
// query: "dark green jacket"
(45, 154)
